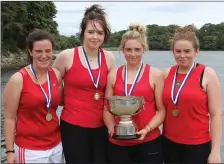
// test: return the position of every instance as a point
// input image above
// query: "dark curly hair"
(95, 13)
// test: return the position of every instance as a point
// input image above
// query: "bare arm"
(159, 117)
(110, 60)
(215, 105)
(11, 98)
(61, 88)
(60, 62)
(107, 116)
(166, 72)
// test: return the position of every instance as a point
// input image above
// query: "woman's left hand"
(143, 133)
(214, 158)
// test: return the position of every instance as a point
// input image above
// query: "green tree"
(19, 18)
(12, 24)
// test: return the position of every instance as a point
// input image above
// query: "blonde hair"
(138, 32)
(186, 33)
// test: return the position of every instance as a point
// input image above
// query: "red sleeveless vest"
(191, 126)
(33, 131)
(80, 108)
(142, 88)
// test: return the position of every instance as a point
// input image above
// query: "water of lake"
(159, 59)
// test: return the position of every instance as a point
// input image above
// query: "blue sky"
(121, 14)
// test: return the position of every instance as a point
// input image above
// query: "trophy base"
(126, 137)
(126, 129)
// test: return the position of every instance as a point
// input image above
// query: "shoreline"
(8, 63)
(14, 61)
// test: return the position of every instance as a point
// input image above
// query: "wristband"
(10, 151)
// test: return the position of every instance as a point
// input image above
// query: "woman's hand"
(111, 130)
(214, 157)
(143, 132)
(11, 158)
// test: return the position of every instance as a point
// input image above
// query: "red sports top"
(33, 131)
(80, 108)
(191, 126)
(142, 88)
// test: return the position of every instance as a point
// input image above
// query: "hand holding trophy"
(125, 107)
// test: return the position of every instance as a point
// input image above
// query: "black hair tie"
(10, 151)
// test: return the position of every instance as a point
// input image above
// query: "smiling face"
(184, 53)
(42, 53)
(94, 35)
(133, 51)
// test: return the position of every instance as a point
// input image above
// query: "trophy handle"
(143, 103)
(106, 104)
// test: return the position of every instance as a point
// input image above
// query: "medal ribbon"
(89, 68)
(48, 100)
(175, 99)
(134, 82)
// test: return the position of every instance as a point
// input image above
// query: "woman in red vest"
(137, 79)
(84, 70)
(31, 98)
(191, 94)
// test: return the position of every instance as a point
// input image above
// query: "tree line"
(19, 18)
(211, 37)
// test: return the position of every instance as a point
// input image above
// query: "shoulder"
(155, 72)
(166, 72)
(109, 58)
(108, 54)
(65, 53)
(62, 58)
(57, 73)
(210, 72)
(16, 79)
(156, 77)
(211, 81)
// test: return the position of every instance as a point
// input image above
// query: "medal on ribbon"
(48, 99)
(175, 99)
(96, 96)
(134, 82)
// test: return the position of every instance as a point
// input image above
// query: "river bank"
(18, 60)
(12, 61)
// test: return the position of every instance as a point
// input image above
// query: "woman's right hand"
(111, 131)
(11, 158)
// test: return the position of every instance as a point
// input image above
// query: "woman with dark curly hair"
(84, 70)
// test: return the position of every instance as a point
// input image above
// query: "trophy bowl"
(125, 107)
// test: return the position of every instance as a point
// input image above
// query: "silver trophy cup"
(125, 107)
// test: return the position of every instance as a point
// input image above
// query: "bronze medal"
(48, 116)
(96, 96)
(175, 112)
(175, 96)
(178, 83)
